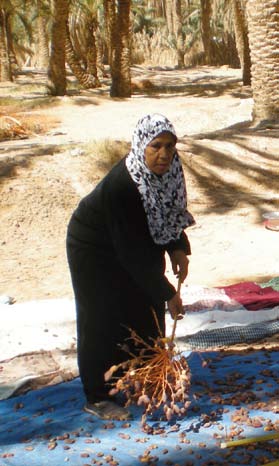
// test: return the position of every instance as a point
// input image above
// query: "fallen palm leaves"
(12, 128)
(159, 376)
(25, 125)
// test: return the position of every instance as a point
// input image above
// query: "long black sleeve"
(182, 243)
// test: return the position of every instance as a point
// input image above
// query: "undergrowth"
(107, 152)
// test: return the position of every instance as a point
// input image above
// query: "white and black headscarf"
(164, 197)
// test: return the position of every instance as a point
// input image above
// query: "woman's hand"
(180, 263)
(175, 307)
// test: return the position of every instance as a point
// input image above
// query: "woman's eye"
(158, 146)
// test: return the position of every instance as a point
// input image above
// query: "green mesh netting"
(274, 283)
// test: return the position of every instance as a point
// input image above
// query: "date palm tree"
(206, 34)
(109, 25)
(173, 13)
(91, 26)
(119, 29)
(42, 43)
(263, 27)
(57, 69)
(157, 6)
(18, 16)
(10, 40)
(81, 51)
(5, 64)
(179, 33)
(86, 79)
(242, 39)
(169, 16)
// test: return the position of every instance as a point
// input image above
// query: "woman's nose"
(165, 152)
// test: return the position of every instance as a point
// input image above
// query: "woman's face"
(159, 153)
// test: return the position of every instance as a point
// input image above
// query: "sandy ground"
(231, 171)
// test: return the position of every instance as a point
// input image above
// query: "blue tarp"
(234, 395)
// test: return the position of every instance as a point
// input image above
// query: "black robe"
(118, 276)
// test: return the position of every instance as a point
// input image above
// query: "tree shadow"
(82, 101)
(242, 131)
(23, 156)
(219, 87)
(231, 171)
(153, 82)
(189, 82)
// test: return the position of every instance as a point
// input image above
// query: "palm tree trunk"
(42, 43)
(179, 34)
(169, 17)
(85, 79)
(263, 27)
(91, 56)
(100, 51)
(120, 47)
(57, 64)
(174, 25)
(10, 44)
(206, 11)
(158, 7)
(110, 19)
(242, 40)
(5, 66)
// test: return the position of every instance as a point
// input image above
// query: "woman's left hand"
(180, 263)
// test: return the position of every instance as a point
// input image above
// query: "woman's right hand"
(175, 307)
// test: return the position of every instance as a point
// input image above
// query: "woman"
(116, 244)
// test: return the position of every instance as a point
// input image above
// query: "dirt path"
(232, 177)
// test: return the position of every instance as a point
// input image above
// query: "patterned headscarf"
(164, 197)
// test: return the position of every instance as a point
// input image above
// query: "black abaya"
(117, 274)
